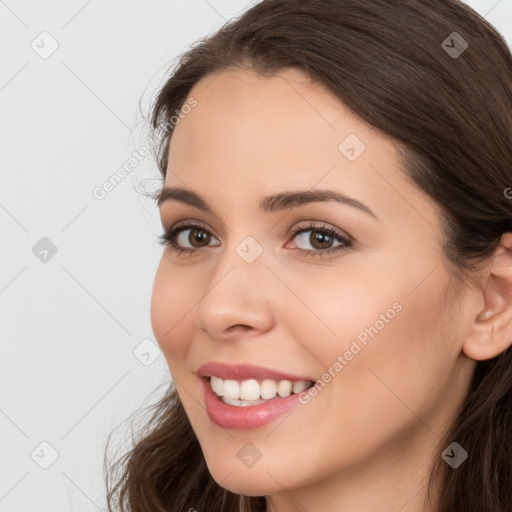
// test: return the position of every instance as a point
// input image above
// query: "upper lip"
(244, 372)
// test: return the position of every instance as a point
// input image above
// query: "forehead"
(244, 113)
(257, 135)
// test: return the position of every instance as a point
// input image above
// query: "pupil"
(198, 235)
(318, 238)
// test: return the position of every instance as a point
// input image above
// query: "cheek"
(401, 371)
(334, 307)
(170, 304)
(396, 345)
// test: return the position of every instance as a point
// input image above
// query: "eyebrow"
(269, 204)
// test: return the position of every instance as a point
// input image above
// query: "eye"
(321, 238)
(176, 236)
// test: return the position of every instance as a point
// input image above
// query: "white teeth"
(284, 388)
(268, 389)
(242, 403)
(216, 385)
(300, 385)
(251, 391)
(231, 390)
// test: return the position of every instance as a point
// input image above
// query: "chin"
(239, 486)
(250, 482)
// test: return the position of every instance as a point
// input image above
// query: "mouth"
(251, 392)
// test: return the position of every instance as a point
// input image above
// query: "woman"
(334, 300)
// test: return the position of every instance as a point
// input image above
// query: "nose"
(237, 301)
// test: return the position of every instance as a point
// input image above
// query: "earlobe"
(492, 329)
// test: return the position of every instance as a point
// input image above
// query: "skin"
(367, 441)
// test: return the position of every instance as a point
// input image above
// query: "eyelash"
(169, 238)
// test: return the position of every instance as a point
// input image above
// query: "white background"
(70, 325)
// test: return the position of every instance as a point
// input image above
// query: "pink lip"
(244, 371)
(252, 416)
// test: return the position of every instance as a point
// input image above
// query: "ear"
(491, 333)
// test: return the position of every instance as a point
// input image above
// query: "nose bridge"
(237, 291)
(241, 269)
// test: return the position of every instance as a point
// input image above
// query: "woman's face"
(373, 319)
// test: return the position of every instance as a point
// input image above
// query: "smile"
(252, 391)
(240, 414)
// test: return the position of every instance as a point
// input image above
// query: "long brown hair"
(436, 77)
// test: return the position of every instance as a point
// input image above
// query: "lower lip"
(248, 417)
